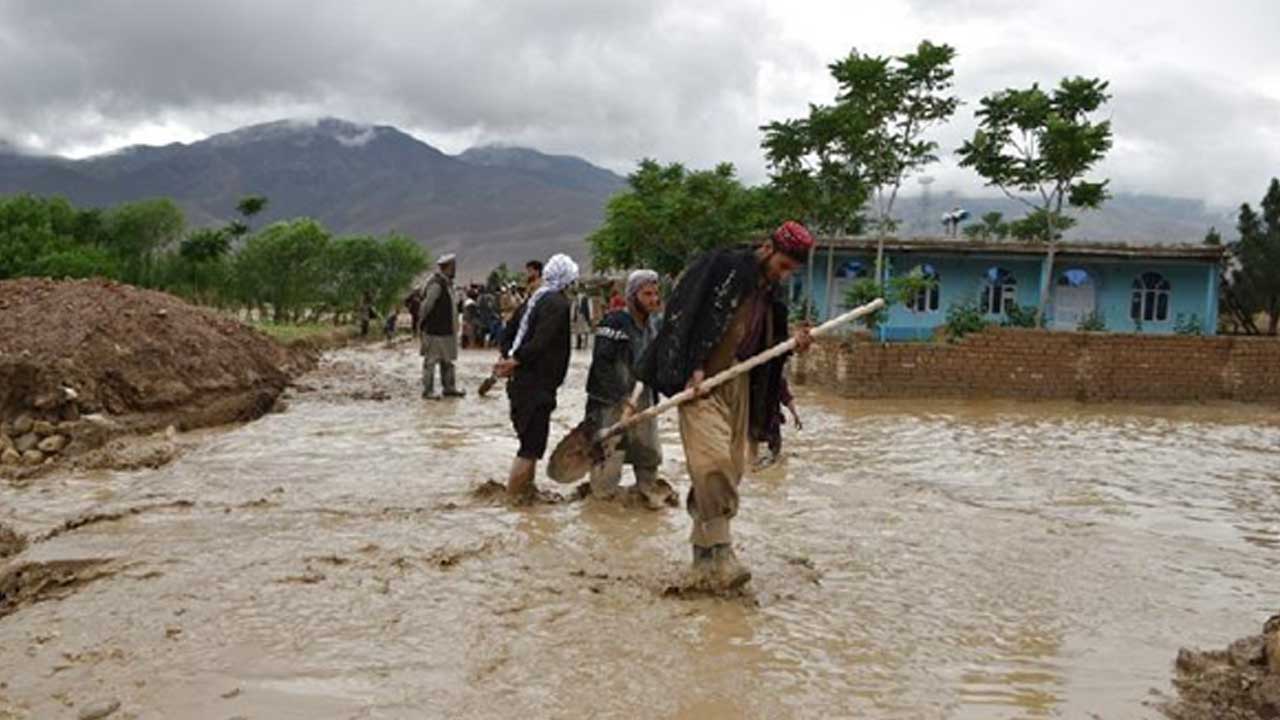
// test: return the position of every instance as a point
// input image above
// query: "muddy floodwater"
(911, 559)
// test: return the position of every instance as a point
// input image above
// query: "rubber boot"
(521, 489)
(429, 383)
(449, 379)
(727, 572)
(655, 492)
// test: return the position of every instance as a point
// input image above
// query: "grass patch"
(289, 333)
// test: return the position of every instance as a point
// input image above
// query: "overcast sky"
(1196, 85)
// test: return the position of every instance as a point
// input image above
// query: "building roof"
(964, 246)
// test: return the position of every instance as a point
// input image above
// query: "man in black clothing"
(535, 356)
(724, 309)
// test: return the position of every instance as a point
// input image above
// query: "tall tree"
(1256, 281)
(862, 147)
(671, 214)
(1037, 147)
(139, 232)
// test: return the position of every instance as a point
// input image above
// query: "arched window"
(1150, 301)
(1075, 277)
(927, 299)
(998, 291)
(852, 270)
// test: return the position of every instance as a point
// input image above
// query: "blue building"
(1147, 289)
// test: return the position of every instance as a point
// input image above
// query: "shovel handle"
(728, 374)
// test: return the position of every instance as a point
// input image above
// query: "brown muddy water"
(911, 559)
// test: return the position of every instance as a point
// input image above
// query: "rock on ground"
(1241, 682)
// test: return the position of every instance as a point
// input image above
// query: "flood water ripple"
(912, 559)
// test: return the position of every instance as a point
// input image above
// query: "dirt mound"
(93, 347)
(1239, 683)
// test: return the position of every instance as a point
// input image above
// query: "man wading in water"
(724, 309)
(535, 355)
(621, 339)
(439, 314)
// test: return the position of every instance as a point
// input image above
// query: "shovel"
(582, 447)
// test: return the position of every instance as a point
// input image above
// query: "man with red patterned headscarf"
(724, 308)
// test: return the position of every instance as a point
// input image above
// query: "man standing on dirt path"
(535, 356)
(621, 339)
(439, 314)
(724, 309)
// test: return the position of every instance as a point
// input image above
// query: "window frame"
(1151, 292)
(1008, 291)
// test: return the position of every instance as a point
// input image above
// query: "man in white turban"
(535, 356)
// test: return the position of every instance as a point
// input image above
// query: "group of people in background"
(726, 307)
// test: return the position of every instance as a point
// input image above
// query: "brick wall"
(1015, 363)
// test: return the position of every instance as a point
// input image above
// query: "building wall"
(1193, 288)
(1037, 364)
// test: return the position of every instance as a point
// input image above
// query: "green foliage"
(964, 318)
(990, 226)
(824, 167)
(1043, 144)
(1018, 317)
(671, 214)
(48, 237)
(901, 290)
(1188, 325)
(1093, 322)
(251, 205)
(1256, 282)
(289, 268)
(139, 232)
(284, 267)
(1213, 237)
(864, 291)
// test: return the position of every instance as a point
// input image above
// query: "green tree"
(671, 214)
(1213, 237)
(139, 232)
(1037, 147)
(991, 226)
(1256, 281)
(48, 237)
(251, 205)
(284, 267)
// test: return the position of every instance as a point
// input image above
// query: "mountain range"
(488, 204)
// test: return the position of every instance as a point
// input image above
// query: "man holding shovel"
(724, 309)
(621, 338)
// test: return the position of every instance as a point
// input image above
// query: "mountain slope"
(354, 178)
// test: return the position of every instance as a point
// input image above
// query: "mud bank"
(1241, 682)
(83, 362)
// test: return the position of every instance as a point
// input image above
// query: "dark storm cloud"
(614, 80)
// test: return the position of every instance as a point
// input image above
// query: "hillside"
(488, 205)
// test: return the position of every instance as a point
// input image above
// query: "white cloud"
(1195, 110)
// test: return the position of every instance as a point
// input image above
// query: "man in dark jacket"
(621, 339)
(724, 309)
(535, 355)
(439, 318)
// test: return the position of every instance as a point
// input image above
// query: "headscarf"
(636, 282)
(793, 239)
(559, 273)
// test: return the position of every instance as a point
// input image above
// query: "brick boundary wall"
(1037, 364)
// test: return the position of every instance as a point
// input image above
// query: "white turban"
(559, 273)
